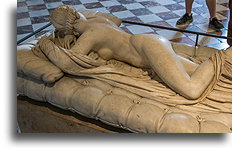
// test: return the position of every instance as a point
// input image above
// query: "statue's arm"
(84, 43)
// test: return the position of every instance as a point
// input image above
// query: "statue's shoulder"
(102, 21)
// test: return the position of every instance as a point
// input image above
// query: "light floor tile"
(22, 9)
(110, 3)
(158, 9)
(23, 22)
(149, 18)
(221, 8)
(172, 22)
(166, 2)
(219, 16)
(195, 5)
(135, 29)
(88, 1)
(170, 34)
(38, 13)
(123, 14)
(79, 7)
(34, 2)
(133, 6)
(203, 40)
(182, 12)
(53, 5)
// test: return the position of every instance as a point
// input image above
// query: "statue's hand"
(46, 44)
(43, 42)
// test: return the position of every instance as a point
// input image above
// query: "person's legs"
(187, 17)
(188, 6)
(213, 23)
(211, 4)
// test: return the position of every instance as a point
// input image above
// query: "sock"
(189, 14)
(212, 18)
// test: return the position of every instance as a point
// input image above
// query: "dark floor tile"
(167, 15)
(50, 1)
(73, 2)
(126, 1)
(141, 11)
(173, 7)
(160, 23)
(134, 19)
(41, 19)
(22, 15)
(37, 7)
(20, 4)
(24, 29)
(116, 8)
(149, 3)
(225, 4)
(93, 5)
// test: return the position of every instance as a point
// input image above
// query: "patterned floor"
(33, 14)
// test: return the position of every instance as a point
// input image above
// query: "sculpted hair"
(63, 17)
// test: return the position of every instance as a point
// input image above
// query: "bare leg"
(189, 66)
(163, 60)
(188, 6)
(212, 7)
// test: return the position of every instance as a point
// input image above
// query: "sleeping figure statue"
(144, 65)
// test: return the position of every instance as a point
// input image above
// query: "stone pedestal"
(40, 117)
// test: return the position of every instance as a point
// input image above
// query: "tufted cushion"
(104, 103)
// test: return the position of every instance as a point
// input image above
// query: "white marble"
(149, 18)
(123, 14)
(135, 29)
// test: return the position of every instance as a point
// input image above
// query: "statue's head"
(65, 17)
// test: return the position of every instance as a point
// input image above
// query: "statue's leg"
(164, 61)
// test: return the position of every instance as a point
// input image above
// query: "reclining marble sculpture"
(141, 66)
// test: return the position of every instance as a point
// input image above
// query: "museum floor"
(33, 14)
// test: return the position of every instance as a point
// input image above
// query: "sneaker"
(186, 19)
(214, 23)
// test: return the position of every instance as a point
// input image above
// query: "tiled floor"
(33, 14)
